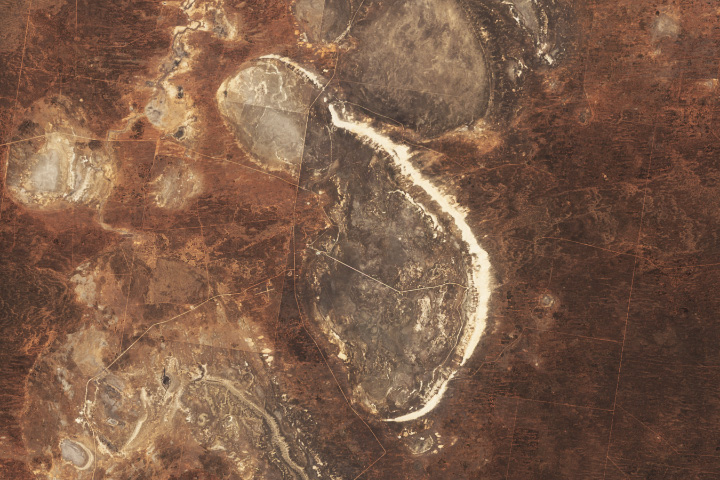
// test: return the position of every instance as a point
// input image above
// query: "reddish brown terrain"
(342, 239)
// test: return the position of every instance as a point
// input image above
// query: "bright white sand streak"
(479, 272)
